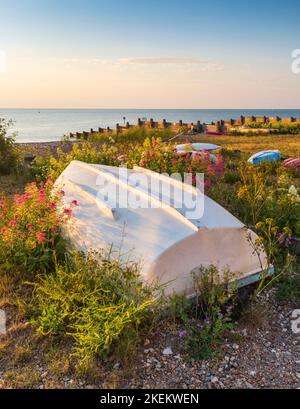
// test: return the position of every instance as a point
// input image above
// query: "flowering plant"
(161, 157)
(86, 152)
(30, 228)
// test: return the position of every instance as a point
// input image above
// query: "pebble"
(167, 351)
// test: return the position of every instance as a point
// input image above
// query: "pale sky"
(148, 54)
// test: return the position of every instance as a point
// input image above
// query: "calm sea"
(44, 125)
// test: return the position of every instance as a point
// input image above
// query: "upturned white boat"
(197, 146)
(153, 227)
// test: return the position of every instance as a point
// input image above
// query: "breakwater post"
(220, 126)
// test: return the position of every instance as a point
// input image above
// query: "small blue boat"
(265, 156)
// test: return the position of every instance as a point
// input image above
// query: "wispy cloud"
(161, 60)
(183, 62)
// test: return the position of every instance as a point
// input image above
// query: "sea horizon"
(51, 124)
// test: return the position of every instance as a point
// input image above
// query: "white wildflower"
(293, 194)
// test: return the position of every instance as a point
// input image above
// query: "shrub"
(95, 300)
(288, 285)
(231, 177)
(9, 157)
(160, 157)
(283, 204)
(266, 191)
(30, 229)
(85, 152)
(216, 294)
(152, 154)
(281, 127)
(132, 135)
(253, 192)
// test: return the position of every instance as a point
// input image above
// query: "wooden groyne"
(219, 126)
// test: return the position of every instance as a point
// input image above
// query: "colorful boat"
(292, 163)
(265, 156)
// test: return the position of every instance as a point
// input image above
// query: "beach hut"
(168, 227)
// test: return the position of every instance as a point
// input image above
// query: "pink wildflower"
(3, 230)
(211, 169)
(12, 223)
(121, 158)
(52, 205)
(41, 195)
(41, 237)
(68, 212)
(207, 184)
(20, 199)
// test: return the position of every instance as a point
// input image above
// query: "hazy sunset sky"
(149, 54)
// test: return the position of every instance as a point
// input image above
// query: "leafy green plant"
(85, 152)
(216, 294)
(252, 193)
(283, 204)
(95, 300)
(9, 156)
(203, 342)
(270, 242)
(281, 127)
(288, 285)
(177, 307)
(132, 135)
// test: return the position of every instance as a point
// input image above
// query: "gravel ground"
(267, 357)
(44, 148)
